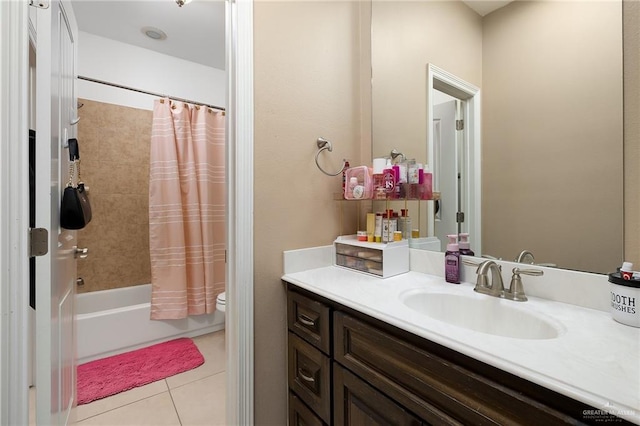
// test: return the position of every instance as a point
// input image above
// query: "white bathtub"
(110, 322)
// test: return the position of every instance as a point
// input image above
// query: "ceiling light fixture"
(154, 33)
(182, 2)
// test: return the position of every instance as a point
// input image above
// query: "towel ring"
(323, 144)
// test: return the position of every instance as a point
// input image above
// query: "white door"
(56, 106)
(445, 170)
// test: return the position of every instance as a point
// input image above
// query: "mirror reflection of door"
(448, 165)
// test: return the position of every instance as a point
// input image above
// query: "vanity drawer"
(437, 390)
(310, 376)
(310, 320)
(300, 414)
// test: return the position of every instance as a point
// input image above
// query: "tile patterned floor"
(193, 398)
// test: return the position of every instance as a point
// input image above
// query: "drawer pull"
(306, 320)
(305, 377)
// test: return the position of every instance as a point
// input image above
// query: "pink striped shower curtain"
(186, 209)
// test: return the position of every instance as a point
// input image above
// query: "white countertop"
(594, 359)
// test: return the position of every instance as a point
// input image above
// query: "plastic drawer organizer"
(379, 259)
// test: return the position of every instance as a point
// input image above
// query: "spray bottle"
(452, 261)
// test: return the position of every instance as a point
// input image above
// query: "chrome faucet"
(526, 256)
(516, 289)
(496, 288)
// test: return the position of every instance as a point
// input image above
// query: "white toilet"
(221, 301)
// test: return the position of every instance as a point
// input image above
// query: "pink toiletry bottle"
(465, 245)
(452, 261)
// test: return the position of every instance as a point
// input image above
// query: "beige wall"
(631, 26)
(114, 150)
(307, 84)
(552, 133)
(408, 35)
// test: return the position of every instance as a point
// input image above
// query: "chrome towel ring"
(323, 144)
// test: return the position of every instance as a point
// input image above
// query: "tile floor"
(195, 397)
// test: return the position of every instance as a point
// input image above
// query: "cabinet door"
(358, 404)
(300, 414)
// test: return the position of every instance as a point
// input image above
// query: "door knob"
(80, 281)
(81, 253)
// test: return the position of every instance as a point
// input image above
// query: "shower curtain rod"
(119, 86)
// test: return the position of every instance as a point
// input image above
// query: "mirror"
(550, 79)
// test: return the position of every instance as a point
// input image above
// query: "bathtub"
(110, 322)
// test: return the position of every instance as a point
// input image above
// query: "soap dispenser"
(452, 261)
(465, 245)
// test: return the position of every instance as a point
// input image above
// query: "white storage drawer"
(379, 259)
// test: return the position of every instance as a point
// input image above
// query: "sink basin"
(484, 314)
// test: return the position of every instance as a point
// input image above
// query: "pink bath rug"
(109, 376)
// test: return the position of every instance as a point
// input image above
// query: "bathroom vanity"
(361, 352)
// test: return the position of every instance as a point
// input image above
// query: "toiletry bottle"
(626, 270)
(378, 224)
(397, 186)
(452, 261)
(427, 179)
(353, 182)
(389, 224)
(389, 180)
(404, 224)
(344, 176)
(465, 245)
(378, 181)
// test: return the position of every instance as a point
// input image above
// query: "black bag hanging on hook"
(75, 209)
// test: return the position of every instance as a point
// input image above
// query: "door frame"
(444, 81)
(14, 220)
(14, 212)
(239, 313)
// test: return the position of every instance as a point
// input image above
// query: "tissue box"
(378, 259)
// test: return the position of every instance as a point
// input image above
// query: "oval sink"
(484, 314)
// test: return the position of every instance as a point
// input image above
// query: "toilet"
(221, 301)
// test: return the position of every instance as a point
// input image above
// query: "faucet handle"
(516, 289)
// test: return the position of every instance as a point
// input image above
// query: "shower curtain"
(186, 209)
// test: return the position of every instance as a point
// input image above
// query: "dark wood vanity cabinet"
(346, 368)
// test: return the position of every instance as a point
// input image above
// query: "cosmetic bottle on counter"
(389, 226)
(465, 245)
(404, 224)
(452, 261)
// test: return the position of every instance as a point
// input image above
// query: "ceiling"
(195, 32)
(483, 7)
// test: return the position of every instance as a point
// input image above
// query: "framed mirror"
(550, 78)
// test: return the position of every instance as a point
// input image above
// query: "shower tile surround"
(114, 150)
(592, 361)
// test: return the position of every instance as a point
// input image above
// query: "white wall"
(108, 60)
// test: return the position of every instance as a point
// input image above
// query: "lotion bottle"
(452, 261)
(465, 245)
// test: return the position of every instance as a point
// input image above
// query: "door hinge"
(38, 242)
(460, 217)
(225, 256)
(40, 4)
(459, 124)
